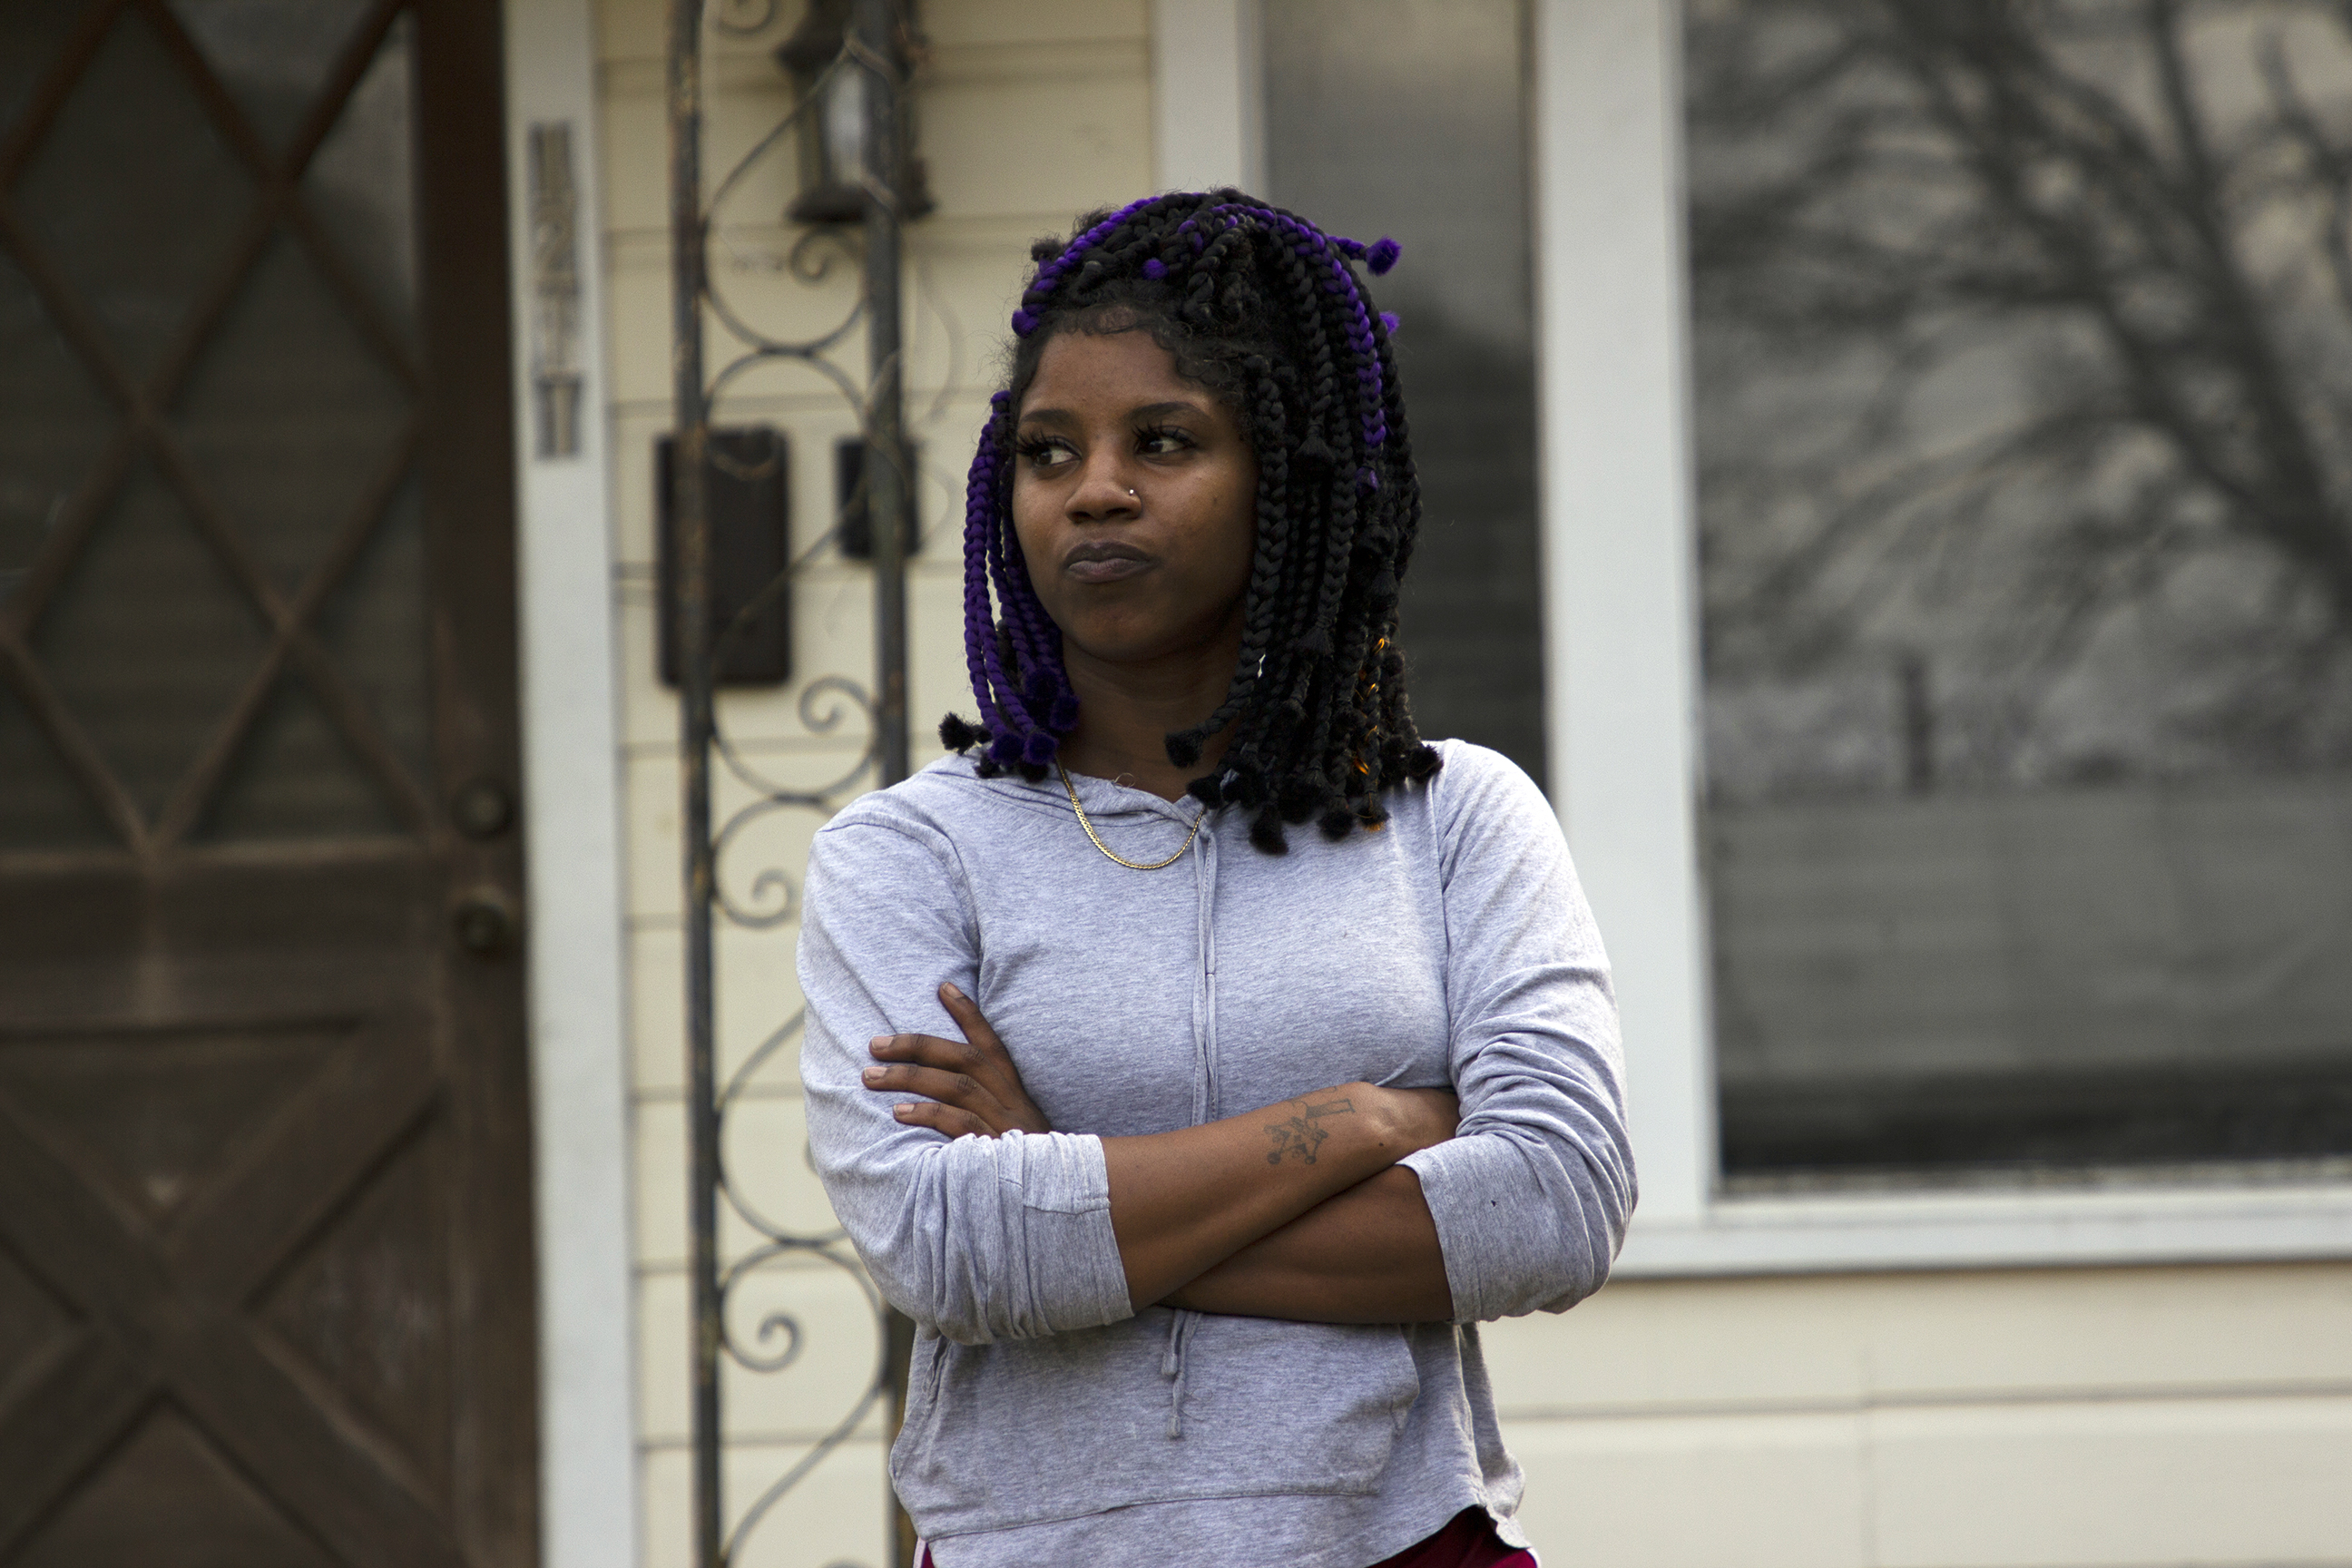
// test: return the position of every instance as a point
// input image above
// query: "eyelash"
(1035, 449)
(1147, 434)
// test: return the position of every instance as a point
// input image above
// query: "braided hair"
(1263, 311)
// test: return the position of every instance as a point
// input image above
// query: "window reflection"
(1408, 118)
(2023, 394)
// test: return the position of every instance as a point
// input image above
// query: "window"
(2022, 389)
(1953, 711)
(1408, 118)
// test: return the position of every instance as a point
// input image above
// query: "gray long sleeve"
(977, 1238)
(1532, 1194)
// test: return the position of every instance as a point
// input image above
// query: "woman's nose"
(1105, 489)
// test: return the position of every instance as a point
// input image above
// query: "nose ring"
(1130, 492)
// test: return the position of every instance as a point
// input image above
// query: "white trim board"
(1619, 624)
(1621, 691)
(589, 1512)
(1207, 96)
(2007, 1230)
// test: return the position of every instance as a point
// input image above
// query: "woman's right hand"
(971, 1085)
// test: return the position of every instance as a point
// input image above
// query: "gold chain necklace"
(1089, 827)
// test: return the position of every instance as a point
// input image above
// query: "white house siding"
(2061, 1417)
(2111, 1416)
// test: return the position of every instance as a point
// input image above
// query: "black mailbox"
(747, 474)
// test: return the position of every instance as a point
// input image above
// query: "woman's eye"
(1045, 454)
(1161, 443)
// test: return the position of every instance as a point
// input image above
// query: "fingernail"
(950, 989)
(875, 1075)
(877, 1042)
(901, 1111)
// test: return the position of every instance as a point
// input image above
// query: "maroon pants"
(1466, 1541)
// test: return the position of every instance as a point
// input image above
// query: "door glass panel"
(132, 196)
(273, 55)
(54, 423)
(2023, 400)
(149, 639)
(375, 629)
(361, 184)
(32, 33)
(295, 778)
(291, 417)
(41, 806)
(1409, 118)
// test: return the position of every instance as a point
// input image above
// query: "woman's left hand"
(970, 1085)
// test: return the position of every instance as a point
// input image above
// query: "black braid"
(1267, 313)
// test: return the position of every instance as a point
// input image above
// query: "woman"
(1143, 1107)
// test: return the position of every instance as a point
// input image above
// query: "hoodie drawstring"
(1205, 1103)
(1172, 1366)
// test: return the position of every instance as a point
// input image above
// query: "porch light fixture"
(833, 133)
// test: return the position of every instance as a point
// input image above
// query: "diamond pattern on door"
(289, 419)
(294, 779)
(162, 1237)
(359, 1307)
(271, 54)
(54, 425)
(175, 166)
(169, 1498)
(42, 806)
(360, 184)
(164, 573)
(152, 1120)
(147, 639)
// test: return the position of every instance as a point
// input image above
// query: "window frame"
(1208, 96)
(1620, 672)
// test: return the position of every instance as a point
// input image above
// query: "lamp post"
(849, 60)
(835, 134)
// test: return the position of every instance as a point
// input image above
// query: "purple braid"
(1019, 725)
(978, 525)
(1041, 288)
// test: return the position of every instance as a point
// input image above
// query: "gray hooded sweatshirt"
(1050, 1420)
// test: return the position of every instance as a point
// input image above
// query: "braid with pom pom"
(1266, 311)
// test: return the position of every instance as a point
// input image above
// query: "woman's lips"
(1105, 562)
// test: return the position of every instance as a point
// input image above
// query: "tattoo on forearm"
(1299, 1135)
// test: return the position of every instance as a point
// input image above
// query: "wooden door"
(265, 1241)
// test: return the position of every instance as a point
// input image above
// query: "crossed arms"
(1023, 1231)
(1297, 1210)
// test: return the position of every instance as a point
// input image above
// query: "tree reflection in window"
(2023, 392)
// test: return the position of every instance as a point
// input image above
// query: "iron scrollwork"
(834, 705)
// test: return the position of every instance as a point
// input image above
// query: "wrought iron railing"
(875, 47)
